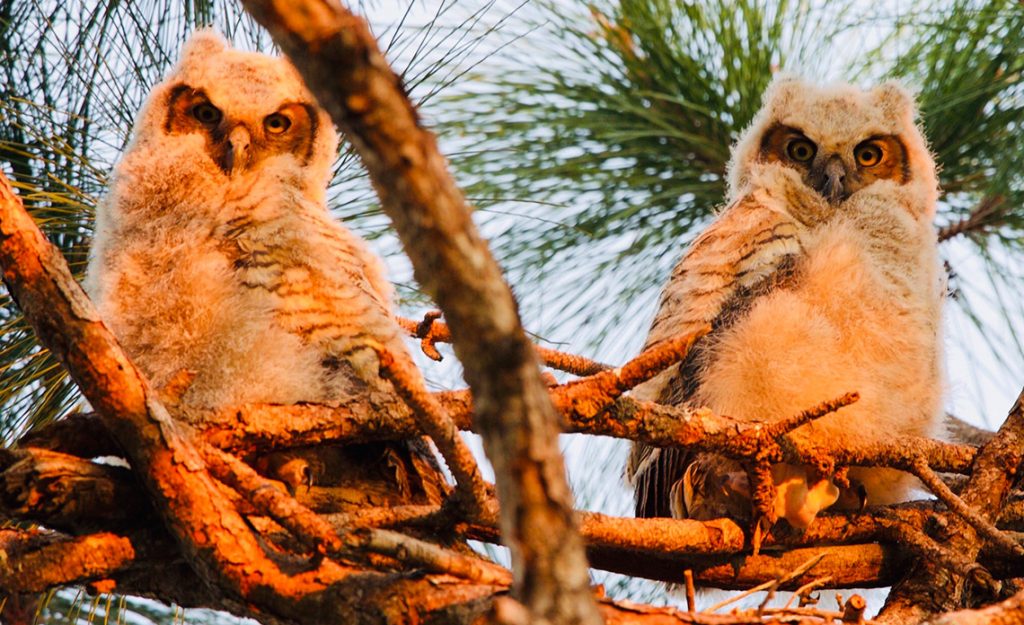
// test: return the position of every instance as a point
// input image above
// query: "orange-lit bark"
(339, 59)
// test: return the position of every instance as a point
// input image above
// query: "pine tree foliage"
(616, 119)
(594, 138)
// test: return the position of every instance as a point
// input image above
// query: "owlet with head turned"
(215, 255)
(820, 277)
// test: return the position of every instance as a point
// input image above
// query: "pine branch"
(984, 216)
(341, 63)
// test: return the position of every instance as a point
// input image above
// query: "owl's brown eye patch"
(787, 145)
(882, 157)
(291, 128)
(276, 123)
(189, 110)
(801, 150)
(868, 154)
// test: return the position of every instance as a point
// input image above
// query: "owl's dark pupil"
(206, 113)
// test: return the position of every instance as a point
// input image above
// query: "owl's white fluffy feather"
(859, 309)
(165, 275)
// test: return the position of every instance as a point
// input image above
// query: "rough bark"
(341, 63)
(931, 588)
(1009, 612)
(254, 429)
(258, 552)
(212, 536)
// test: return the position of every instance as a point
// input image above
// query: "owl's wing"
(746, 252)
(326, 288)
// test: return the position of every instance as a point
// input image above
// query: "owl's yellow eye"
(868, 154)
(801, 150)
(276, 123)
(206, 113)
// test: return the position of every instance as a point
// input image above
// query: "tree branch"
(930, 588)
(339, 60)
(214, 539)
(976, 221)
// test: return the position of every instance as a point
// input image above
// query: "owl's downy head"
(240, 110)
(838, 139)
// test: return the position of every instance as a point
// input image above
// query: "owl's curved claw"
(425, 331)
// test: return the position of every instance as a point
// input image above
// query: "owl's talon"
(424, 328)
(428, 347)
(428, 338)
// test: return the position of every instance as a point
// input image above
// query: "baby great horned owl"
(820, 277)
(215, 253)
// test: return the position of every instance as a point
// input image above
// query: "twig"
(802, 593)
(741, 595)
(825, 615)
(387, 516)
(975, 220)
(470, 488)
(785, 426)
(939, 488)
(761, 440)
(586, 398)
(691, 592)
(763, 493)
(431, 557)
(853, 611)
(310, 529)
(775, 583)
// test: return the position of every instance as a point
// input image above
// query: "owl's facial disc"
(238, 140)
(839, 171)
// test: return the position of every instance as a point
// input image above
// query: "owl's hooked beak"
(237, 153)
(832, 182)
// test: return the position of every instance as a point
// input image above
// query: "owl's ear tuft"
(895, 100)
(202, 44)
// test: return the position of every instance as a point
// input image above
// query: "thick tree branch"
(68, 493)
(930, 588)
(37, 562)
(214, 539)
(656, 548)
(255, 429)
(339, 59)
